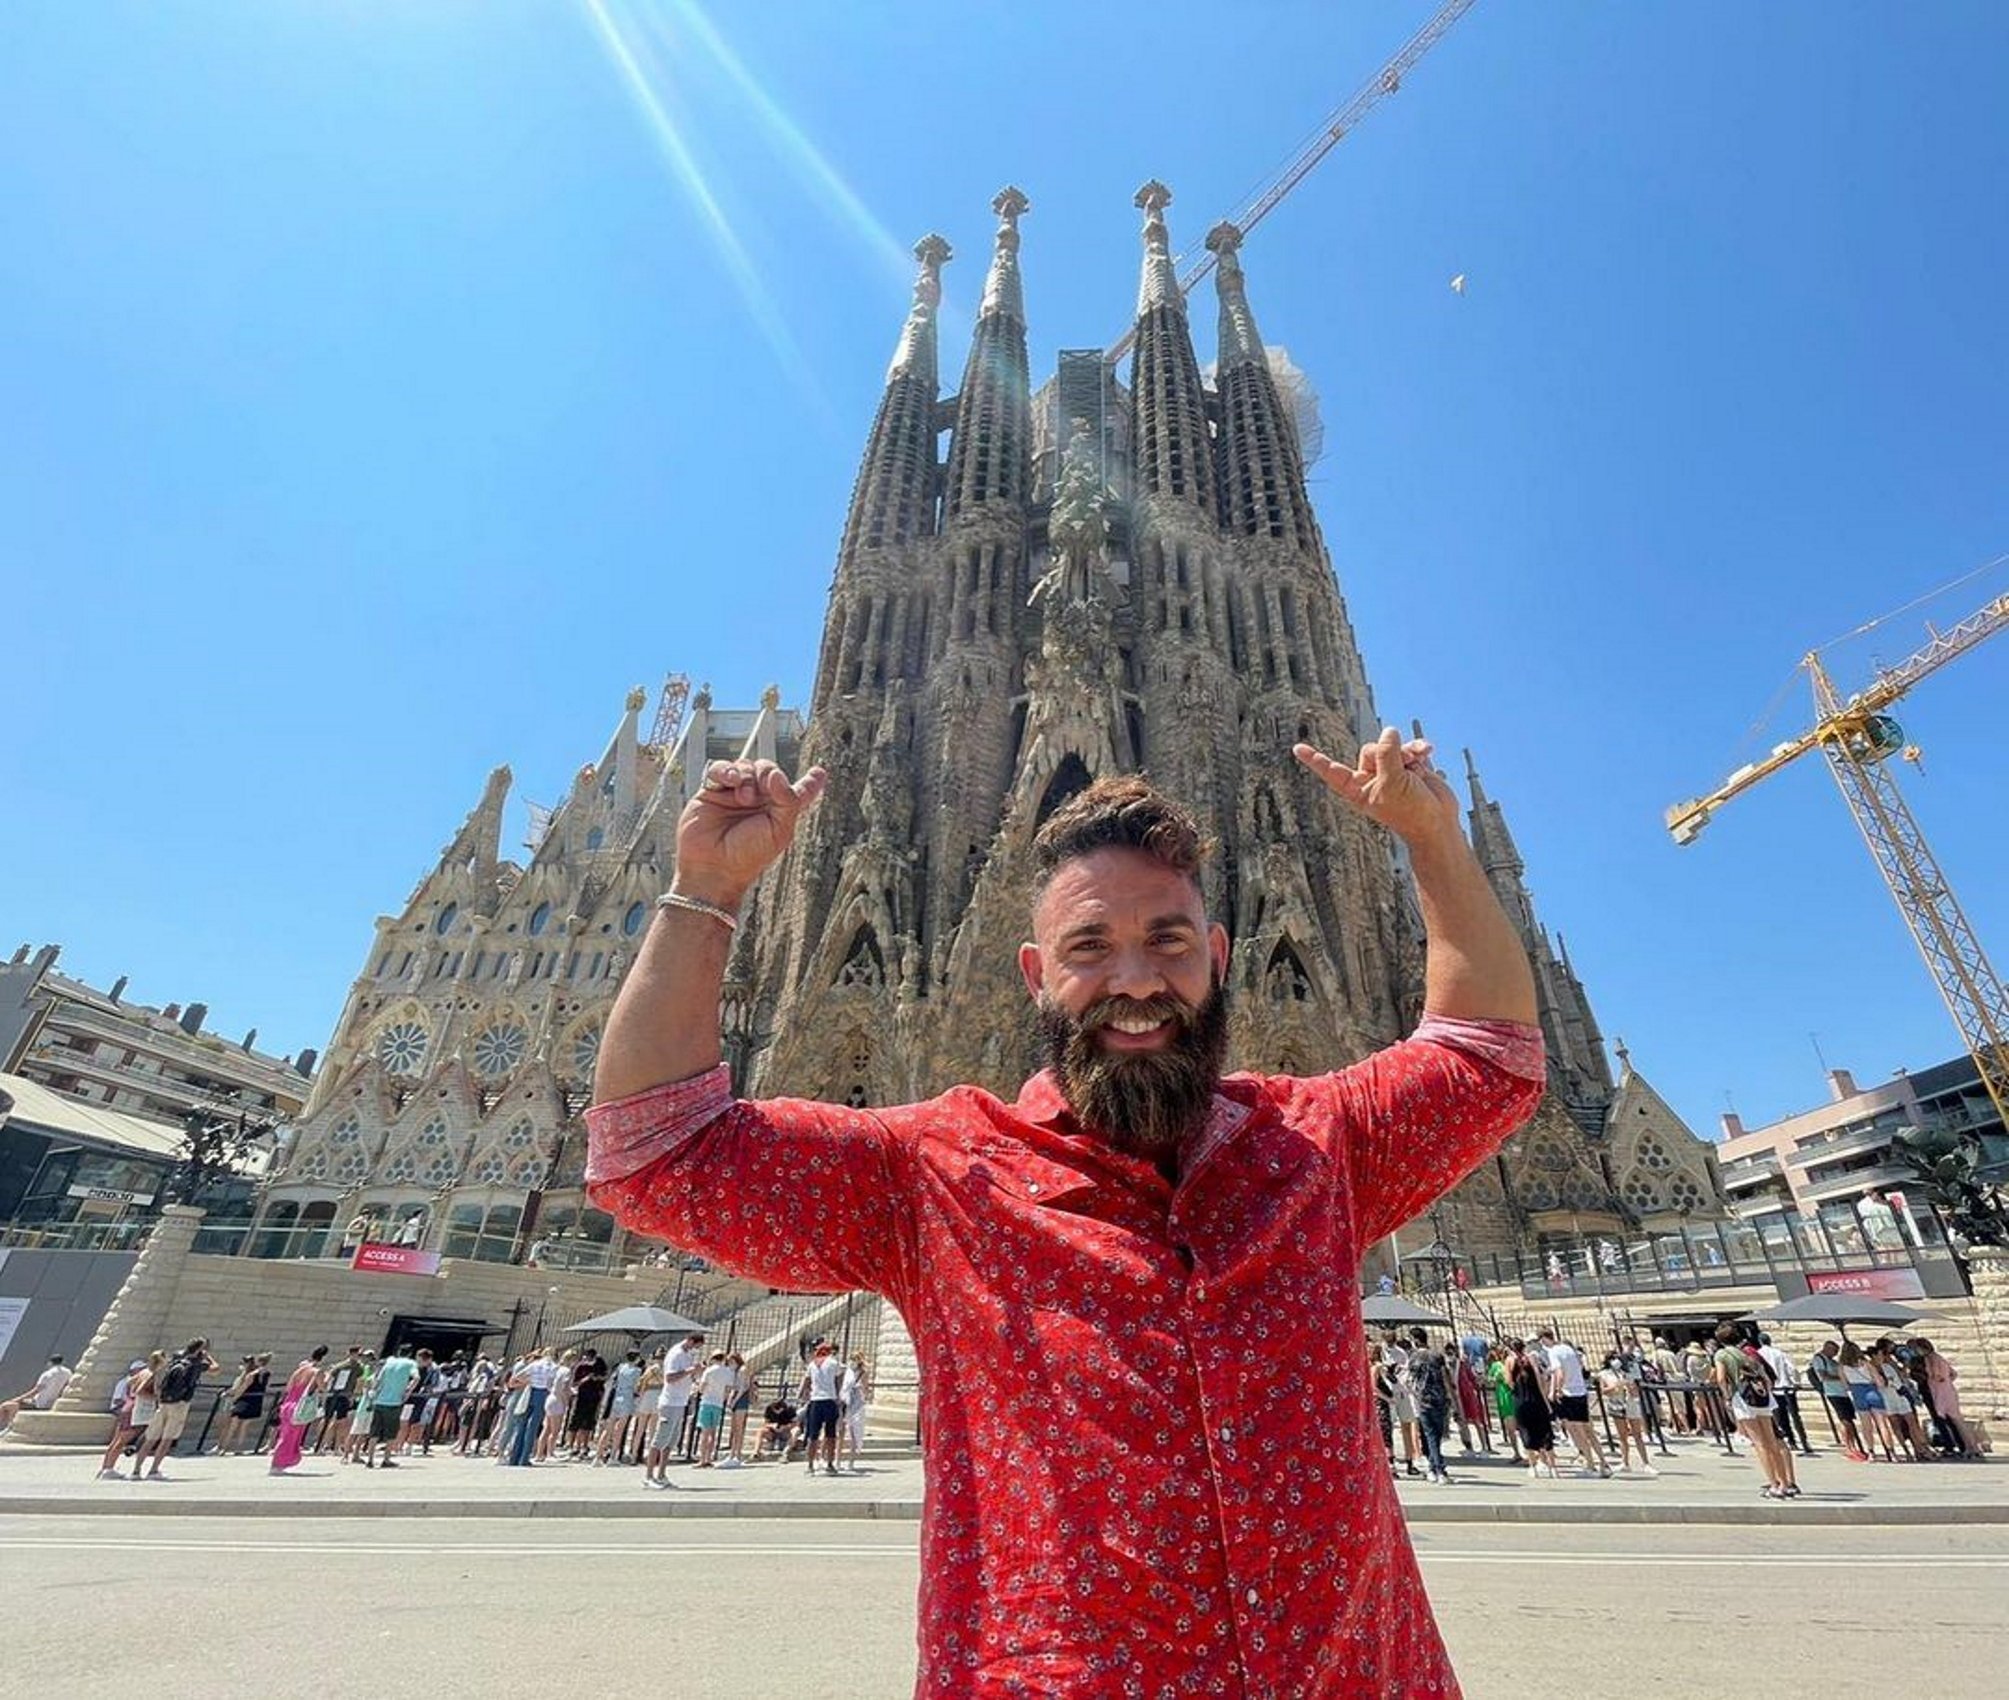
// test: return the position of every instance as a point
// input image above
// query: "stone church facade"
(1094, 578)
(453, 1085)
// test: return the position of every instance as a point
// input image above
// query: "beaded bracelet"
(698, 906)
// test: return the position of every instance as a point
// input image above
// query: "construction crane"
(670, 711)
(1859, 737)
(1197, 262)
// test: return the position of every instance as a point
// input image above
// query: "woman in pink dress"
(1940, 1377)
(304, 1380)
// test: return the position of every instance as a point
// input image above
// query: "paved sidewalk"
(1697, 1485)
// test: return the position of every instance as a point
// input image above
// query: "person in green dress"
(1501, 1387)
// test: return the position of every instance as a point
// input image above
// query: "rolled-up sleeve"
(795, 1194)
(1411, 1121)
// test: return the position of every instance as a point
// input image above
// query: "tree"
(215, 1145)
(1946, 1163)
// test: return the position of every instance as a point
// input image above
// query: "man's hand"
(1393, 784)
(741, 820)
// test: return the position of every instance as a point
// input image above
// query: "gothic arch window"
(1641, 1194)
(631, 923)
(500, 1048)
(439, 1172)
(1070, 778)
(315, 1167)
(433, 1135)
(1684, 1194)
(540, 918)
(526, 1171)
(1285, 980)
(352, 1167)
(595, 838)
(492, 1170)
(864, 963)
(1269, 817)
(521, 1135)
(404, 1168)
(1653, 1155)
(401, 1048)
(447, 917)
(345, 1132)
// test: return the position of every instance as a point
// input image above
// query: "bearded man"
(1111, 1508)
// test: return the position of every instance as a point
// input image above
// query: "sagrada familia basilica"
(1096, 576)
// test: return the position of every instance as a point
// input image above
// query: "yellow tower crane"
(1859, 737)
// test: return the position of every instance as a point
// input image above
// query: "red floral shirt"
(1118, 1503)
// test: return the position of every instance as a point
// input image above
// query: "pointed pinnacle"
(1154, 197)
(1010, 202)
(933, 251)
(1224, 238)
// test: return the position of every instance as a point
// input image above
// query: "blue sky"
(386, 398)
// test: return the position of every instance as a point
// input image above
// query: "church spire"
(1173, 454)
(480, 837)
(1499, 856)
(894, 498)
(988, 456)
(1262, 469)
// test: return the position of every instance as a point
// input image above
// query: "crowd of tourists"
(547, 1405)
(1895, 1400)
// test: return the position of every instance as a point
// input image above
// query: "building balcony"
(205, 1055)
(1852, 1144)
(1883, 1177)
(1751, 1171)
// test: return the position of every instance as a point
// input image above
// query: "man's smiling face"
(1127, 973)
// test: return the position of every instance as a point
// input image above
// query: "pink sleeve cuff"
(1513, 1046)
(631, 1133)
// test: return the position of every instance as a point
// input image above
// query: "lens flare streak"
(649, 84)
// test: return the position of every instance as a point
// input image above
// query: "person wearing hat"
(821, 1396)
(133, 1406)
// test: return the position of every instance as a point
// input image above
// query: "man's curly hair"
(1123, 812)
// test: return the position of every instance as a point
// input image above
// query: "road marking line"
(434, 1549)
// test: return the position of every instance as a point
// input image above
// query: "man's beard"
(1146, 1103)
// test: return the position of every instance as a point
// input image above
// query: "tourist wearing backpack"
(1430, 1381)
(174, 1389)
(1747, 1384)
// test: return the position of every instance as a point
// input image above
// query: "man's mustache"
(1154, 1010)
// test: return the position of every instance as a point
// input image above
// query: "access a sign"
(394, 1259)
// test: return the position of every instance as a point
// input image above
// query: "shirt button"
(1252, 1596)
(1032, 1186)
(1227, 1433)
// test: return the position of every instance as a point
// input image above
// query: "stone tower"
(1094, 578)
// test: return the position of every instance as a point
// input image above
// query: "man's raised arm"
(1476, 968)
(664, 1025)
(1421, 1115)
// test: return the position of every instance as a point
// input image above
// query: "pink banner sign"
(395, 1259)
(1867, 1283)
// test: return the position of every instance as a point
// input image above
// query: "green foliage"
(1946, 1163)
(214, 1146)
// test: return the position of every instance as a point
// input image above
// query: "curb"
(657, 1506)
(909, 1511)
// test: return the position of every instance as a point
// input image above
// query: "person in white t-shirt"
(680, 1370)
(47, 1390)
(821, 1394)
(717, 1383)
(1569, 1398)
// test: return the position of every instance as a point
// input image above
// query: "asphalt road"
(361, 1608)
